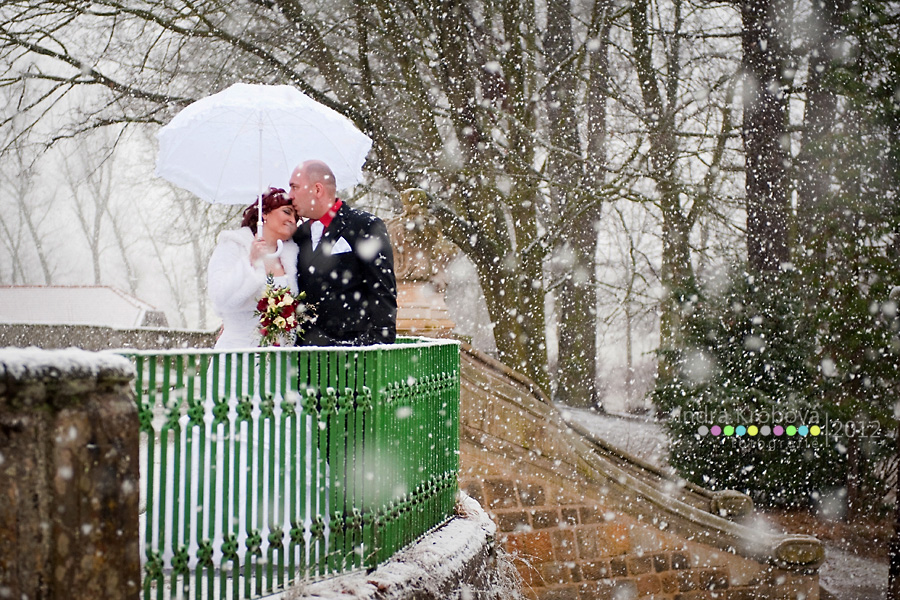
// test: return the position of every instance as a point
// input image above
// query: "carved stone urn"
(421, 256)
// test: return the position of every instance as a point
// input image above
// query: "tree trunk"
(200, 268)
(526, 305)
(893, 591)
(764, 133)
(22, 183)
(530, 298)
(13, 242)
(629, 358)
(577, 315)
(39, 247)
(854, 491)
(813, 170)
(676, 278)
(577, 298)
(122, 246)
(676, 273)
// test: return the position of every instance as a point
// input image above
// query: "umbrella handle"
(279, 246)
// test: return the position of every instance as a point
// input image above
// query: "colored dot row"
(765, 430)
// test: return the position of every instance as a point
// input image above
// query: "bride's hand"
(258, 250)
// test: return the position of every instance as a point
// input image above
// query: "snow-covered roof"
(76, 305)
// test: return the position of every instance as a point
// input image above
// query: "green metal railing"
(267, 467)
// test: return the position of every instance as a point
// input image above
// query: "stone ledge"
(459, 554)
(31, 376)
(69, 475)
(729, 504)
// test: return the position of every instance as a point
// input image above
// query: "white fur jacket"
(235, 285)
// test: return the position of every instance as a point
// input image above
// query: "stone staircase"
(586, 521)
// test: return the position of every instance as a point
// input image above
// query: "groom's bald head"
(318, 172)
(313, 189)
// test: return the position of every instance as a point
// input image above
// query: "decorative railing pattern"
(266, 467)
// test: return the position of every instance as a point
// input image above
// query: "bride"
(241, 263)
(229, 456)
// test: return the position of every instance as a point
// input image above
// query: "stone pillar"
(421, 256)
(69, 475)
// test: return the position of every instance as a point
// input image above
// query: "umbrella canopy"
(229, 147)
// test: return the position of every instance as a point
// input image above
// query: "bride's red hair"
(274, 198)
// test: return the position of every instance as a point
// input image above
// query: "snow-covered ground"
(851, 577)
(845, 575)
(640, 437)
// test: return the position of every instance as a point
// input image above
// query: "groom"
(345, 265)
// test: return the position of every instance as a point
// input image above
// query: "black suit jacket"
(353, 292)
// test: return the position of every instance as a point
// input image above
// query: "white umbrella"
(229, 147)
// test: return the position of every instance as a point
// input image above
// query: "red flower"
(273, 318)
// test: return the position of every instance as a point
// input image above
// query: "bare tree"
(577, 172)
(20, 218)
(12, 239)
(629, 263)
(681, 200)
(464, 99)
(812, 163)
(123, 245)
(90, 187)
(181, 234)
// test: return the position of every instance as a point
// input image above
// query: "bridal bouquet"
(281, 315)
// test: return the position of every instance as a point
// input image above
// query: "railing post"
(68, 475)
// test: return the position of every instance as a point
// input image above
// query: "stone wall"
(571, 548)
(583, 526)
(68, 476)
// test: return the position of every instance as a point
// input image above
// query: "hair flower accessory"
(281, 315)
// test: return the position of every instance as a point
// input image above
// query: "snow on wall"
(72, 363)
